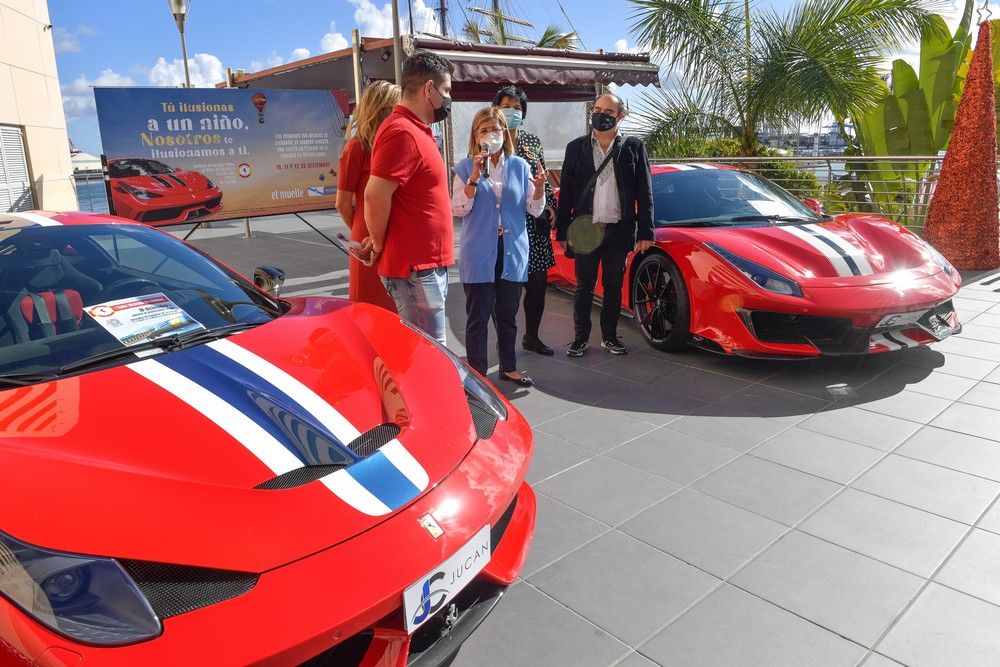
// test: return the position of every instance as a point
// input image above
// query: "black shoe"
(577, 348)
(615, 346)
(523, 381)
(537, 346)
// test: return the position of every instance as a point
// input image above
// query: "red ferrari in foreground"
(742, 267)
(151, 192)
(198, 472)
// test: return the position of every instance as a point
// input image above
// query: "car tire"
(660, 303)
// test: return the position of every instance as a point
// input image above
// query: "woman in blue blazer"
(493, 190)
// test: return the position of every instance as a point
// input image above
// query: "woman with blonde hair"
(493, 190)
(375, 105)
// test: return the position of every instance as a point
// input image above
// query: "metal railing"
(90, 194)
(896, 187)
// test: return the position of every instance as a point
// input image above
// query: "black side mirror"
(269, 279)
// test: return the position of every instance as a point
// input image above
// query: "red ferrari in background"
(151, 192)
(196, 471)
(741, 266)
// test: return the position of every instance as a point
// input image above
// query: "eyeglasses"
(483, 131)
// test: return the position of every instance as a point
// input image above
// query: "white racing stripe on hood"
(857, 254)
(681, 167)
(405, 463)
(351, 492)
(322, 411)
(254, 438)
(839, 265)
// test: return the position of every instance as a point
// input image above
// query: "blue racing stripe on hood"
(273, 410)
(384, 480)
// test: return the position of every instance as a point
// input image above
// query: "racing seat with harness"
(50, 299)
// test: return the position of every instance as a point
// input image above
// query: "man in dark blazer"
(601, 220)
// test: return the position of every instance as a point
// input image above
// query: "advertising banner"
(178, 155)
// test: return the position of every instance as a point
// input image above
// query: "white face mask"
(493, 142)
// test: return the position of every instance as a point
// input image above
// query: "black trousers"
(609, 257)
(498, 300)
(534, 302)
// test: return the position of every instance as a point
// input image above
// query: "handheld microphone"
(486, 161)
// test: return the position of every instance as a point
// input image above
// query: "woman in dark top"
(514, 104)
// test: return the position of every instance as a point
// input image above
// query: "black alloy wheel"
(660, 303)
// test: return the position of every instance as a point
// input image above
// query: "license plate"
(900, 319)
(433, 591)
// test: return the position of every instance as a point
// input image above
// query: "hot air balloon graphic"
(259, 100)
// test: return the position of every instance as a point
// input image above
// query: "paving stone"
(862, 427)
(929, 487)
(953, 364)
(975, 567)
(984, 394)
(903, 404)
(896, 534)
(552, 455)
(596, 429)
(707, 533)
(732, 627)
(679, 457)
(510, 635)
(850, 594)
(965, 453)
(818, 454)
(970, 419)
(945, 627)
(768, 489)
(558, 530)
(624, 586)
(606, 489)
(740, 431)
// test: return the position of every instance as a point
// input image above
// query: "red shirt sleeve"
(394, 155)
(351, 167)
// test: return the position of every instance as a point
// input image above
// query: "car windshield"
(723, 197)
(128, 168)
(74, 293)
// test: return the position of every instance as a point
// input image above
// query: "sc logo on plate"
(244, 170)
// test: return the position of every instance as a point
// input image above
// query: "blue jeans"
(420, 299)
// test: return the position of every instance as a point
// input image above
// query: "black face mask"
(443, 111)
(602, 122)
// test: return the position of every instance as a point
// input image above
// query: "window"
(15, 186)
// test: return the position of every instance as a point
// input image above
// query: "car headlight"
(139, 193)
(939, 259)
(764, 277)
(477, 389)
(89, 599)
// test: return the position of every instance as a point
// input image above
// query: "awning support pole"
(356, 55)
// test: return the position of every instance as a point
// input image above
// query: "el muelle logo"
(439, 586)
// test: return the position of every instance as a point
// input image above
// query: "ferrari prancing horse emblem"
(431, 526)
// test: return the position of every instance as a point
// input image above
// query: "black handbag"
(543, 222)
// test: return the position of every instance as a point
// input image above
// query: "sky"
(136, 42)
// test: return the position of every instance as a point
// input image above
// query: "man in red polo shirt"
(407, 203)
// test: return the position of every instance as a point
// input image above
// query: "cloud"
(78, 96)
(372, 20)
(299, 54)
(621, 46)
(68, 41)
(424, 18)
(205, 69)
(333, 40)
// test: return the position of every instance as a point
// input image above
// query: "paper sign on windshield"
(138, 319)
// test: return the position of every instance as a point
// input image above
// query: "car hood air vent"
(364, 446)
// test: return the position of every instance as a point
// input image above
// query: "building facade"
(35, 167)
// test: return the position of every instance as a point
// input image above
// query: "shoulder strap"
(593, 179)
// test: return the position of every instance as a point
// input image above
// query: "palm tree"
(496, 32)
(754, 67)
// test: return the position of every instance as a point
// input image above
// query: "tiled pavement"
(703, 510)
